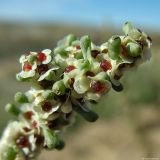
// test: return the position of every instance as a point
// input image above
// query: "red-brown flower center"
(27, 66)
(105, 65)
(41, 56)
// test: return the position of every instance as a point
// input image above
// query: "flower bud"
(51, 139)
(48, 95)
(134, 49)
(59, 88)
(81, 84)
(31, 58)
(11, 108)
(20, 98)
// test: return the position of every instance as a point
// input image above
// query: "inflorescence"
(65, 81)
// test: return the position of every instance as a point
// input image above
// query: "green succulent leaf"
(85, 43)
(114, 48)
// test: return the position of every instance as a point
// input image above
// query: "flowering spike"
(64, 82)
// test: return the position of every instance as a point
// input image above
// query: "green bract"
(85, 43)
(127, 28)
(114, 48)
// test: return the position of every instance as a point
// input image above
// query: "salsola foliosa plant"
(65, 81)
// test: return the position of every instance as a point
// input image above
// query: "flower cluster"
(63, 82)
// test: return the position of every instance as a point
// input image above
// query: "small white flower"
(10, 133)
(28, 70)
(45, 56)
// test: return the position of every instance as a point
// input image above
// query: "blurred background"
(129, 124)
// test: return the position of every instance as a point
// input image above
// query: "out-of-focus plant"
(69, 79)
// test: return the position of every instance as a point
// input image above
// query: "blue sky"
(92, 12)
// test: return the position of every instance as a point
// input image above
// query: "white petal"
(22, 59)
(28, 74)
(47, 51)
(34, 53)
(48, 59)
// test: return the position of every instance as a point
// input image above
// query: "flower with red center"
(27, 66)
(22, 142)
(69, 69)
(44, 57)
(41, 56)
(105, 65)
(97, 86)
